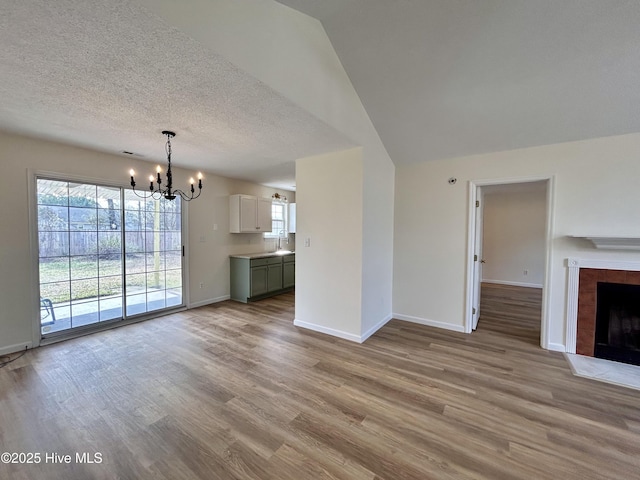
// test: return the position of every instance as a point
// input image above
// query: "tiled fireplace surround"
(584, 276)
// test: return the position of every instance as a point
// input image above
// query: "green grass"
(56, 273)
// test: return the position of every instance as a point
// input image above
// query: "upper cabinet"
(249, 214)
(264, 220)
(292, 218)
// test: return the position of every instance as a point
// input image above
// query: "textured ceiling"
(111, 76)
(444, 78)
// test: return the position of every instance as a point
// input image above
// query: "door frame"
(36, 332)
(477, 258)
(474, 185)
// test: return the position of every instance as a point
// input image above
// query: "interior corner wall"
(329, 270)
(291, 53)
(377, 247)
(595, 193)
(209, 248)
(514, 229)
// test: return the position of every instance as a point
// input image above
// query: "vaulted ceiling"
(445, 78)
(438, 78)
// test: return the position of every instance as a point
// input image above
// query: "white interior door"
(478, 261)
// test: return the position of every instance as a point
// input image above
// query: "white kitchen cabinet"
(264, 221)
(249, 214)
(292, 218)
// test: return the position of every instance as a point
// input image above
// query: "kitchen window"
(278, 221)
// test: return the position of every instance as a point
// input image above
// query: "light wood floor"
(235, 391)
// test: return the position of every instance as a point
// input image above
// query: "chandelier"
(157, 191)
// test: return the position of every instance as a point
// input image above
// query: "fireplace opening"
(618, 322)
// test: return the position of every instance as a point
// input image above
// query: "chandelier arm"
(150, 195)
(186, 197)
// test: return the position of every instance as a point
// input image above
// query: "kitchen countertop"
(262, 255)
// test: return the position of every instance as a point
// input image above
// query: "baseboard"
(513, 284)
(209, 301)
(329, 331)
(375, 328)
(430, 323)
(556, 347)
(18, 347)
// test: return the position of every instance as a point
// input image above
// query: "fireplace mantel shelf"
(614, 243)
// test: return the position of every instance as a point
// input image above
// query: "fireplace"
(617, 331)
(603, 309)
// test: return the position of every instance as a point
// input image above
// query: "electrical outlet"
(526, 272)
(201, 285)
(215, 226)
(307, 242)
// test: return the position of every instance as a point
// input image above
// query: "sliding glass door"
(153, 253)
(104, 254)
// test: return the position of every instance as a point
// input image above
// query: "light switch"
(215, 226)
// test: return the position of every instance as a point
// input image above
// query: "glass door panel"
(153, 233)
(80, 256)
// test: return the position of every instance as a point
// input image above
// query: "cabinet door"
(274, 280)
(264, 214)
(259, 280)
(288, 275)
(248, 214)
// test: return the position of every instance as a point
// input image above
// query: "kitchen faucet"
(280, 233)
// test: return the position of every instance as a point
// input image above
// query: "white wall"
(596, 193)
(377, 247)
(208, 259)
(329, 271)
(290, 52)
(514, 237)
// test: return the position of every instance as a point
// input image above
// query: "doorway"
(509, 254)
(104, 255)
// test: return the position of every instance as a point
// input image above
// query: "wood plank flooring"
(235, 391)
(512, 311)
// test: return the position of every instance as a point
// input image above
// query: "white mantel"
(574, 265)
(613, 243)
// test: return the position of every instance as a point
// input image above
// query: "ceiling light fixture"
(156, 191)
(279, 198)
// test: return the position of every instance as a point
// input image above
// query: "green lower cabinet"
(288, 274)
(259, 280)
(274, 278)
(261, 277)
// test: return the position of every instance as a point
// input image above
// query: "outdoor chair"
(46, 307)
